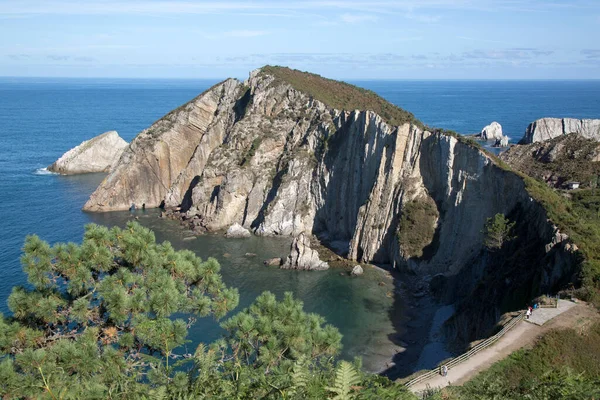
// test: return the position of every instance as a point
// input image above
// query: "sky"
(350, 39)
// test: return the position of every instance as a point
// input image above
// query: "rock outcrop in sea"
(549, 128)
(492, 131)
(98, 154)
(302, 256)
(502, 142)
(283, 154)
(237, 231)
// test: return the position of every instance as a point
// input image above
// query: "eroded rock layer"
(272, 158)
(549, 128)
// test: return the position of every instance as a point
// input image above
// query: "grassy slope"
(566, 360)
(341, 95)
(572, 161)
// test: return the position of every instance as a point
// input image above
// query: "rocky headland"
(291, 153)
(549, 128)
(98, 154)
(558, 161)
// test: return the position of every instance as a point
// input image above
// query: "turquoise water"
(42, 118)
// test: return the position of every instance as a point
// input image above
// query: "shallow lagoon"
(358, 306)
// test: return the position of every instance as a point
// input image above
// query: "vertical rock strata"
(279, 162)
(548, 128)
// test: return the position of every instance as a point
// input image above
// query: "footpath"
(525, 333)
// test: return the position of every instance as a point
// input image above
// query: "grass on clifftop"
(341, 95)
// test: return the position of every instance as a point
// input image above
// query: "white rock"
(549, 128)
(502, 142)
(237, 231)
(98, 154)
(491, 132)
(302, 256)
(357, 270)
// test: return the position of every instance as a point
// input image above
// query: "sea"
(41, 118)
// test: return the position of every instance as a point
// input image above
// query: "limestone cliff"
(549, 128)
(287, 153)
(98, 154)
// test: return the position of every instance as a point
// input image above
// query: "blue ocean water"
(468, 106)
(40, 119)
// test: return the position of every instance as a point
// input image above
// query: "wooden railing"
(476, 349)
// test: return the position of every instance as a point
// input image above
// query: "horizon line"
(338, 79)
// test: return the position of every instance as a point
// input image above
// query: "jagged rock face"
(277, 162)
(302, 256)
(491, 132)
(98, 154)
(549, 128)
(158, 160)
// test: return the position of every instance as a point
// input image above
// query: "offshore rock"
(302, 256)
(98, 154)
(237, 231)
(356, 270)
(549, 128)
(273, 262)
(502, 142)
(491, 132)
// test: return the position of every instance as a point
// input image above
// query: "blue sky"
(351, 39)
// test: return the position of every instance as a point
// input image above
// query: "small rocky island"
(98, 154)
(291, 153)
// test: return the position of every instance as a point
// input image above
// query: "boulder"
(273, 262)
(98, 154)
(491, 132)
(548, 128)
(302, 256)
(357, 270)
(237, 231)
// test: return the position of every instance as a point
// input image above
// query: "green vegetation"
(417, 226)
(108, 319)
(562, 365)
(559, 160)
(251, 151)
(577, 216)
(497, 231)
(341, 95)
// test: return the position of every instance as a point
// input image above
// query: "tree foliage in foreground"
(107, 320)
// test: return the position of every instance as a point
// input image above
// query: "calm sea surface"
(40, 119)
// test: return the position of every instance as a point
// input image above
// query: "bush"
(497, 231)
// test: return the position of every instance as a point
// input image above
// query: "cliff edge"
(549, 128)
